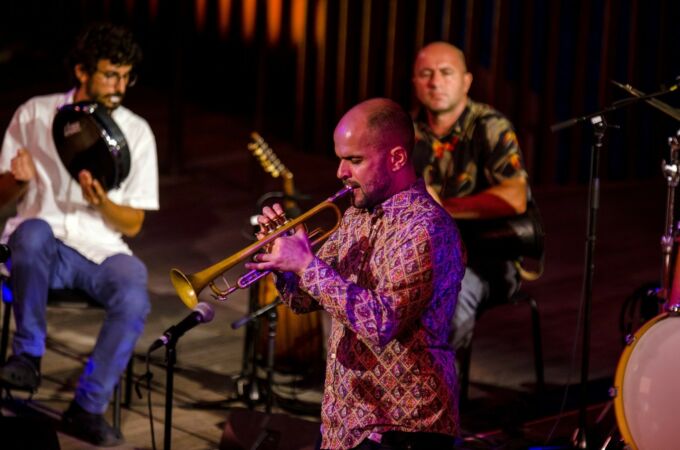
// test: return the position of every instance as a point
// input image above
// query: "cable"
(572, 366)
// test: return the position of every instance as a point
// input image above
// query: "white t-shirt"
(56, 197)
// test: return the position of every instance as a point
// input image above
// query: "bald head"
(383, 125)
(374, 141)
(442, 50)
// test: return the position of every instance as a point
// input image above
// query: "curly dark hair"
(104, 41)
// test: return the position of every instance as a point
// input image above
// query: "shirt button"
(332, 355)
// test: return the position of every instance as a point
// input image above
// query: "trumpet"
(189, 286)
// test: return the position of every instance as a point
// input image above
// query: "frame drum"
(646, 387)
(87, 138)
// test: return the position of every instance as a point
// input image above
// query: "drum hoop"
(624, 429)
(116, 143)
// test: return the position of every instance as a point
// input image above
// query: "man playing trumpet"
(389, 278)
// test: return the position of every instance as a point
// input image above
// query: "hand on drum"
(93, 192)
(288, 253)
(22, 166)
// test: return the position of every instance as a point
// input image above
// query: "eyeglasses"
(113, 77)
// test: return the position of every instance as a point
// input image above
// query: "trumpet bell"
(184, 288)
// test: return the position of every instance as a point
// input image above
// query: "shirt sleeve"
(288, 284)
(378, 316)
(140, 189)
(14, 140)
(505, 157)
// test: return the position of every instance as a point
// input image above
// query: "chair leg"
(129, 376)
(6, 318)
(464, 356)
(538, 346)
(116, 406)
(118, 395)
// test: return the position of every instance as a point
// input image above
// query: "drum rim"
(621, 421)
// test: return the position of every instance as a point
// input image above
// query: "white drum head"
(651, 386)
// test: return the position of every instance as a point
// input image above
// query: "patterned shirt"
(389, 278)
(479, 151)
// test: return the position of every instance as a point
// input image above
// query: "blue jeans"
(41, 262)
(494, 285)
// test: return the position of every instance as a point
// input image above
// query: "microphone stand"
(170, 359)
(599, 128)
(246, 382)
(272, 316)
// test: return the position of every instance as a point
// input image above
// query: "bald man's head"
(441, 79)
(374, 141)
(450, 51)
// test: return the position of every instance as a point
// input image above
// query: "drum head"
(647, 386)
(87, 138)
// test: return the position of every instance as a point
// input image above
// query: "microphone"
(202, 313)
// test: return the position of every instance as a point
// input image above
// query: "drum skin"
(87, 138)
(647, 386)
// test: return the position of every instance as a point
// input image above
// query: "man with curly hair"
(67, 233)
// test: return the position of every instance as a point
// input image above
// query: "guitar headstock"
(267, 158)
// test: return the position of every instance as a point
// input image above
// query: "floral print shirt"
(479, 151)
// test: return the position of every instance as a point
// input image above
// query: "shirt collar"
(456, 128)
(395, 204)
(68, 97)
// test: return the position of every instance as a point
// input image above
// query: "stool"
(465, 353)
(67, 298)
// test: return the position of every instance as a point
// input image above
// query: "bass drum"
(646, 388)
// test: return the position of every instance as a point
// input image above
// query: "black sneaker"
(21, 372)
(90, 427)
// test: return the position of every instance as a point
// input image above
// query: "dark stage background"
(290, 68)
(215, 70)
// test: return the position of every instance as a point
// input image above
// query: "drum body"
(87, 138)
(647, 391)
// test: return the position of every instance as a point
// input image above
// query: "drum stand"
(671, 171)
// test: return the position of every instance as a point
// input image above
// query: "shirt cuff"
(310, 280)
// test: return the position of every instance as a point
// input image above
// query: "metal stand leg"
(171, 358)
